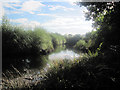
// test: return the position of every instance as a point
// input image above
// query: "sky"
(58, 16)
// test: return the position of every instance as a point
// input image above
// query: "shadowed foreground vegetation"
(98, 68)
(86, 75)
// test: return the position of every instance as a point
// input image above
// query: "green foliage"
(92, 54)
(57, 39)
(81, 44)
(106, 21)
(89, 73)
(97, 51)
(18, 41)
(87, 41)
(41, 39)
(90, 38)
(95, 71)
(71, 40)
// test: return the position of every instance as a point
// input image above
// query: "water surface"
(38, 62)
(64, 54)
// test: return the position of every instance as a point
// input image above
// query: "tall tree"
(106, 21)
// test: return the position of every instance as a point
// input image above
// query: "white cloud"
(51, 15)
(68, 25)
(63, 23)
(31, 6)
(12, 4)
(20, 20)
(25, 6)
(60, 7)
(9, 5)
(1, 10)
(24, 22)
(72, 2)
(43, 14)
(10, 1)
(15, 12)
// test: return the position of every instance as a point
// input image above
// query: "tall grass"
(86, 73)
(90, 73)
(32, 78)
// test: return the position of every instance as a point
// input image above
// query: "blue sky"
(61, 16)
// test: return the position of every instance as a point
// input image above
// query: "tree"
(106, 21)
(81, 44)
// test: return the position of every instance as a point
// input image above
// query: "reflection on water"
(37, 62)
(64, 54)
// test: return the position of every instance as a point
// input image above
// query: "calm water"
(64, 54)
(38, 62)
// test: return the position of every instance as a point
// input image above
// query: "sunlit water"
(34, 67)
(39, 62)
(64, 54)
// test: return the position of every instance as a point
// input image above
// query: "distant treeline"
(18, 41)
(81, 42)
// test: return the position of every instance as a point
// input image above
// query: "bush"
(81, 44)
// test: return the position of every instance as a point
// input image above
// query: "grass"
(64, 74)
(23, 81)
(32, 78)
(85, 73)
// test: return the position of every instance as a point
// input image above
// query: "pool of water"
(38, 62)
(64, 54)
